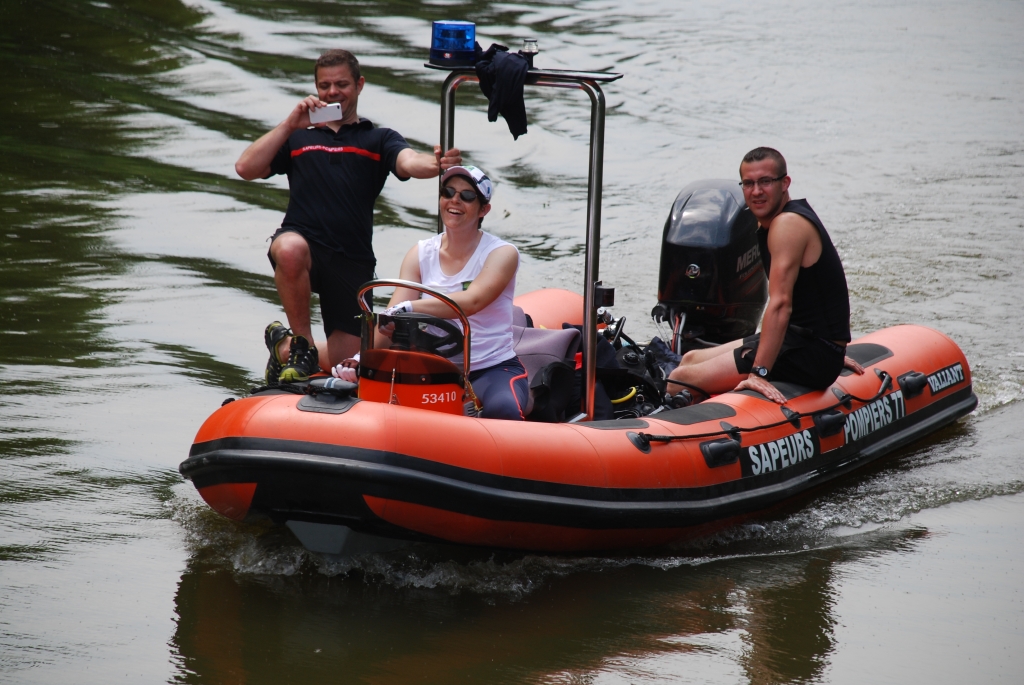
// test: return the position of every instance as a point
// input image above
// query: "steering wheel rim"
(411, 326)
(367, 308)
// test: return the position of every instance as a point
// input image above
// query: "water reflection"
(770, 614)
(789, 625)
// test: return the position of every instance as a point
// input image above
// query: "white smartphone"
(331, 112)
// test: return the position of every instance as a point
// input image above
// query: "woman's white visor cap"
(475, 176)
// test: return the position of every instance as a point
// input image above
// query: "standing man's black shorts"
(336, 279)
(806, 360)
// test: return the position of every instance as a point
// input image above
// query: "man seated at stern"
(478, 271)
(806, 325)
(336, 169)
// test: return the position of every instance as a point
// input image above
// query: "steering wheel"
(411, 334)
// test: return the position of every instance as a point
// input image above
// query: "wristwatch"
(760, 371)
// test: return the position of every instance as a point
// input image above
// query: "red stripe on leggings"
(515, 396)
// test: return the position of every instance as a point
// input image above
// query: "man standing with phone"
(336, 170)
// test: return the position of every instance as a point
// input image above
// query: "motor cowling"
(711, 287)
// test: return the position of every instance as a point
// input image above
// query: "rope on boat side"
(844, 401)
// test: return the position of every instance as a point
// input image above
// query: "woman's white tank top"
(491, 327)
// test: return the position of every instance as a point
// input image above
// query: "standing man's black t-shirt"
(334, 179)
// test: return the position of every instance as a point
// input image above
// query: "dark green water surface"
(134, 288)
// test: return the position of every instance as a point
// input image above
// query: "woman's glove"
(388, 327)
(399, 308)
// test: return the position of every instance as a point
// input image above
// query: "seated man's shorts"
(809, 361)
(336, 279)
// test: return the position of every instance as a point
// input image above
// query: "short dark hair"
(335, 58)
(759, 154)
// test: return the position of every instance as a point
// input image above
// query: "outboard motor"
(711, 287)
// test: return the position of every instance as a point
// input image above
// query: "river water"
(134, 290)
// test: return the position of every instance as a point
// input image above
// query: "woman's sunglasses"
(465, 195)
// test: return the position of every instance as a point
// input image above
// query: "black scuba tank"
(711, 287)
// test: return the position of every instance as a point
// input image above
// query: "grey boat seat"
(548, 355)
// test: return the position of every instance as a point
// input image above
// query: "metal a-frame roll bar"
(588, 82)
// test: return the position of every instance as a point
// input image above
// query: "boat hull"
(404, 473)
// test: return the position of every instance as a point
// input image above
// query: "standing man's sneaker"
(275, 333)
(303, 361)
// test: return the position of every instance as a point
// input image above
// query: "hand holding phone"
(320, 115)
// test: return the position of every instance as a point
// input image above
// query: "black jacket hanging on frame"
(502, 76)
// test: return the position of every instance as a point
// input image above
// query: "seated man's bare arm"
(789, 238)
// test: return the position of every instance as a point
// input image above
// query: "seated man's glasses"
(762, 182)
(465, 195)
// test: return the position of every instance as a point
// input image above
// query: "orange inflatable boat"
(344, 464)
(609, 459)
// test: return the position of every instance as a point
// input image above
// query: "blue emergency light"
(453, 43)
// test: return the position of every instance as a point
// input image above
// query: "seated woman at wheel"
(478, 271)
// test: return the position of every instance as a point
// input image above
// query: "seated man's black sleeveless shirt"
(821, 300)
